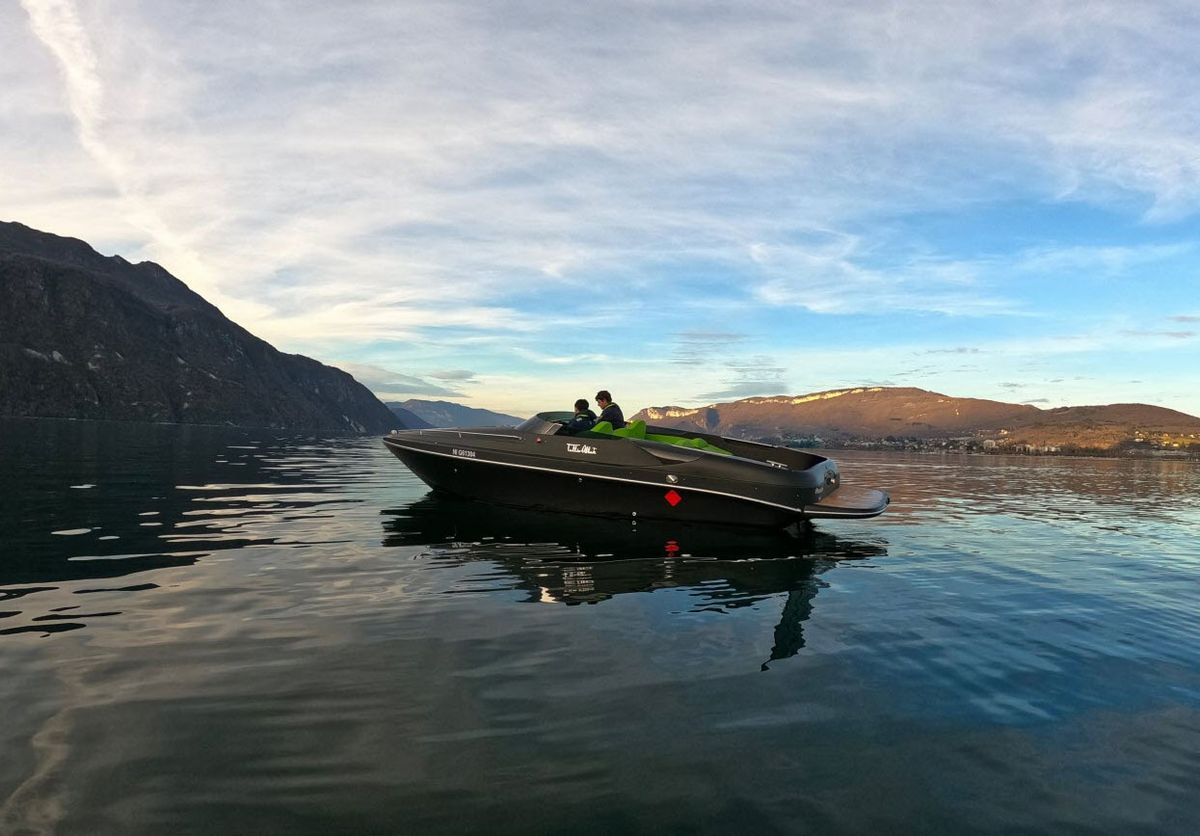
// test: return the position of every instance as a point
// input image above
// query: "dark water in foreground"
(211, 631)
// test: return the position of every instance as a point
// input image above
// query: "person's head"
(603, 398)
(581, 405)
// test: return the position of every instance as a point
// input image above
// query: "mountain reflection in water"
(558, 558)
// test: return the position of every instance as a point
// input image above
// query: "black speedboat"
(635, 472)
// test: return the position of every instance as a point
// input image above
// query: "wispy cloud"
(1171, 335)
(532, 188)
(1102, 260)
(606, 140)
(99, 125)
(746, 377)
(391, 384)
(457, 375)
(552, 358)
(837, 278)
(57, 25)
(745, 389)
(691, 348)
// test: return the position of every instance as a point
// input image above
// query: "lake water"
(212, 631)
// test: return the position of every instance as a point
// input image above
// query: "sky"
(514, 204)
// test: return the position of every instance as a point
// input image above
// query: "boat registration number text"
(466, 454)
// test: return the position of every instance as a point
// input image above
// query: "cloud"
(461, 375)
(745, 389)
(1104, 260)
(836, 277)
(500, 183)
(843, 275)
(1184, 318)
(693, 348)
(555, 359)
(548, 147)
(746, 377)
(385, 382)
(1172, 335)
(57, 25)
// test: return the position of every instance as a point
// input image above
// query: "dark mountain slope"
(410, 420)
(88, 336)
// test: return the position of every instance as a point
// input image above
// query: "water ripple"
(309, 640)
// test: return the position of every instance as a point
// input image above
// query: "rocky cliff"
(88, 336)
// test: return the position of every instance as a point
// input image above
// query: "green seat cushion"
(694, 443)
(637, 429)
(634, 429)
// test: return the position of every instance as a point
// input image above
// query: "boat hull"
(622, 489)
(580, 494)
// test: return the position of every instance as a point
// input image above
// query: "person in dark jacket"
(584, 418)
(609, 411)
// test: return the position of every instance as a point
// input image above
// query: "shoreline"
(196, 424)
(873, 446)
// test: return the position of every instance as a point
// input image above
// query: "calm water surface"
(207, 631)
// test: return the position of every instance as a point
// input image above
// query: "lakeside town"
(1159, 446)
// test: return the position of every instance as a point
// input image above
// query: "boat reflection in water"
(558, 558)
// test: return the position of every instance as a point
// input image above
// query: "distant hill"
(845, 415)
(1106, 427)
(447, 414)
(88, 336)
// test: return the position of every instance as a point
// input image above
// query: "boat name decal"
(576, 447)
(466, 454)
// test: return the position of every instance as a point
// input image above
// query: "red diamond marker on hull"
(673, 498)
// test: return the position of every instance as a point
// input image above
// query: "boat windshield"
(545, 423)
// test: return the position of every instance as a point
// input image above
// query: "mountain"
(410, 420)
(876, 413)
(1107, 427)
(447, 414)
(89, 336)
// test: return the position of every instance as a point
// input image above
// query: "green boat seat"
(634, 429)
(694, 443)
(637, 430)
